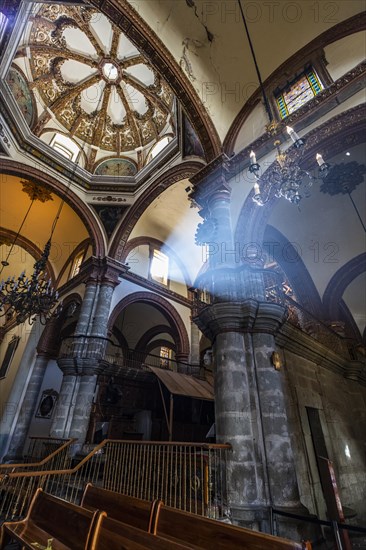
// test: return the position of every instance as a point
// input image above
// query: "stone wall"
(342, 411)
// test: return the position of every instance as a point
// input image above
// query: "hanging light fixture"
(285, 178)
(30, 297)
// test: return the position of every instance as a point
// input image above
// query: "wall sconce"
(276, 360)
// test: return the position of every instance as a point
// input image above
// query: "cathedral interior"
(182, 236)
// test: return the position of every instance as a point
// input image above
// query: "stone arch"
(152, 332)
(57, 187)
(171, 176)
(165, 308)
(332, 297)
(29, 247)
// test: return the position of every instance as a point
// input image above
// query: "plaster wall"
(345, 54)
(208, 42)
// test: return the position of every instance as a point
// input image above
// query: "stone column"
(85, 363)
(28, 408)
(250, 411)
(64, 408)
(236, 411)
(272, 403)
(83, 405)
(195, 344)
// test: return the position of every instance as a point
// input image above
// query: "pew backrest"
(112, 534)
(126, 509)
(212, 534)
(51, 517)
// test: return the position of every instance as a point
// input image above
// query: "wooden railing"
(187, 476)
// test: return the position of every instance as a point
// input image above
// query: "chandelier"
(30, 297)
(285, 178)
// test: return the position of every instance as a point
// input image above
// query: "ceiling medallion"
(110, 71)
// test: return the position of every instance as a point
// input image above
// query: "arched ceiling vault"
(207, 41)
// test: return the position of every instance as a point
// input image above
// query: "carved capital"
(247, 316)
(211, 182)
(102, 270)
(80, 366)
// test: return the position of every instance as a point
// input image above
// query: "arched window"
(65, 146)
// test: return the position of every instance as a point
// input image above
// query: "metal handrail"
(188, 476)
(42, 462)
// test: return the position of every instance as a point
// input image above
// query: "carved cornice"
(140, 34)
(183, 171)
(290, 66)
(247, 316)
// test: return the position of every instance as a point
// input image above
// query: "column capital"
(247, 316)
(211, 183)
(102, 270)
(80, 366)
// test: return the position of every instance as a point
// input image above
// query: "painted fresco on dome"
(116, 167)
(21, 93)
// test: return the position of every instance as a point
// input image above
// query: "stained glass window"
(298, 93)
(165, 356)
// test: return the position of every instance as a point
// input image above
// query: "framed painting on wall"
(8, 357)
(47, 403)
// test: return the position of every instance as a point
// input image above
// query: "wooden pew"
(195, 531)
(112, 534)
(130, 510)
(68, 525)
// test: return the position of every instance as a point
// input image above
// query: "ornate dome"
(93, 85)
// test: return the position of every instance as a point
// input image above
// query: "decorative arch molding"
(57, 187)
(139, 241)
(185, 170)
(169, 312)
(299, 277)
(334, 136)
(122, 14)
(145, 339)
(332, 297)
(345, 28)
